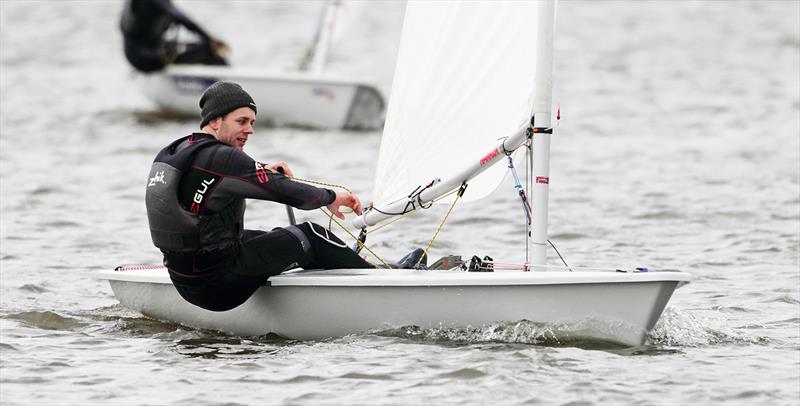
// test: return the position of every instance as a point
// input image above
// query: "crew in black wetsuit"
(195, 208)
(143, 25)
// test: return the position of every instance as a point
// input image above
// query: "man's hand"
(280, 167)
(345, 199)
(220, 48)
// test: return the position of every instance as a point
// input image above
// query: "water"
(679, 148)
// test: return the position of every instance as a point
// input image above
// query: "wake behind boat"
(492, 80)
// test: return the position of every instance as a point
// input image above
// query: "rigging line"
(316, 182)
(559, 255)
(460, 193)
(526, 207)
(411, 213)
(361, 244)
(411, 204)
(354, 237)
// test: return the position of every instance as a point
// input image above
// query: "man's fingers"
(356, 204)
(281, 167)
(345, 199)
(286, 169)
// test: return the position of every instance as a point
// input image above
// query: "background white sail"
(464, 78)
(336, 17)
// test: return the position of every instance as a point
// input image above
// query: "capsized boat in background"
(468, 73)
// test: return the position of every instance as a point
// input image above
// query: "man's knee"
(319, 233)
(301, 235)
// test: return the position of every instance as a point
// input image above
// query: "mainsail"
(465, 78)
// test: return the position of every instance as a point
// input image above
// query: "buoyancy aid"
(174, 228)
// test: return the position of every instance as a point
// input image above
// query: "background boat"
(308, 96)
(283, 98)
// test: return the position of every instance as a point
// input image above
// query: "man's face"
(236, 127)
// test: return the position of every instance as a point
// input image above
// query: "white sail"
(464, 79)
(336, 17)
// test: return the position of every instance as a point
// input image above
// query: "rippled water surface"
(678, 148)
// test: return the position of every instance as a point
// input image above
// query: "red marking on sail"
(543, 179)
(489, 156)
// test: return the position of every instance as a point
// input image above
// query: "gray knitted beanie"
(222, 98)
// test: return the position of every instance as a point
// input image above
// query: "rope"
(322, 184)
(361, 244)
(319, 183)
(411, 213)
(425, 253)
(460, 192)
(332, 219)
(559, 255)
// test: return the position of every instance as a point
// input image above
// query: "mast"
(542, 110)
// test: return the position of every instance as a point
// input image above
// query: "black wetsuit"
(215, 263)
(143, 25)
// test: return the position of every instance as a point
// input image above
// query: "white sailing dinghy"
(467, 74)
(309, 97)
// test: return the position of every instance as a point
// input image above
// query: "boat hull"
(616, 307)
(300, 99)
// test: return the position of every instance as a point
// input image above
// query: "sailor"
(195, 202)
(144, 24)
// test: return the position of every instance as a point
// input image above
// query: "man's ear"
(215, 123)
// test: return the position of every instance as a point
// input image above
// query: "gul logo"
(199, 195)
(543, 180)
(157, 178)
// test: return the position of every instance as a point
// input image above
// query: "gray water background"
(678, 148)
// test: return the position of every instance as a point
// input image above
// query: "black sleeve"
(182, 18)
(238, 176)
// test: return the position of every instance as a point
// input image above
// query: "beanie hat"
(222, 98)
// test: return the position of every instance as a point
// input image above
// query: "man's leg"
(268, 253)
(306, 245)
(328, 251)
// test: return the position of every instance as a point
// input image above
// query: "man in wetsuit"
(143, 25)
(195, 208)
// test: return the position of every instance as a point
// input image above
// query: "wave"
(520, 332)
(677, 328)
(47, 320)
(29, 287)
